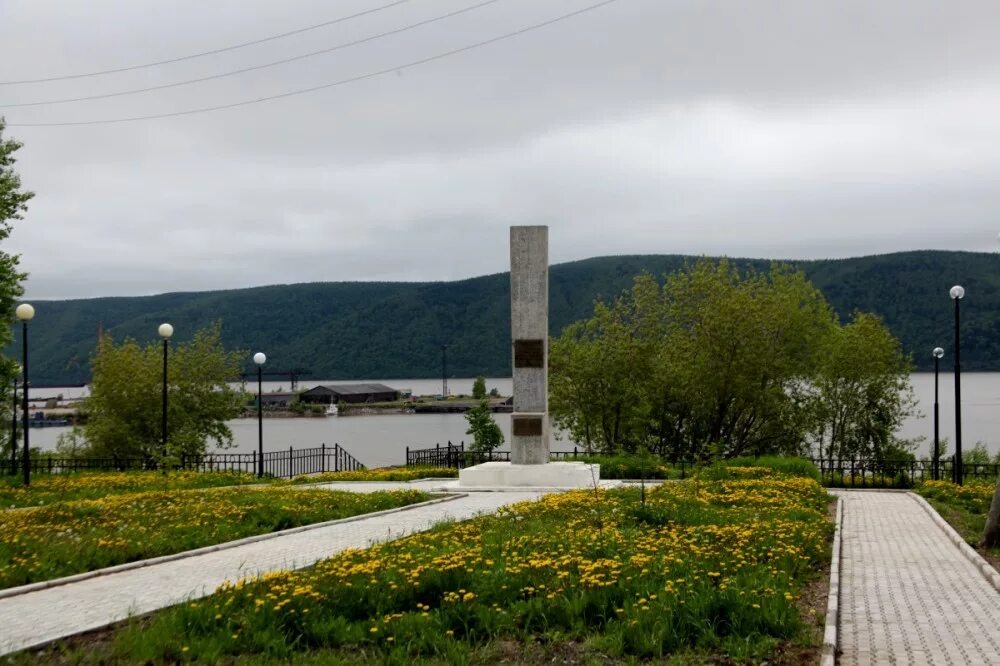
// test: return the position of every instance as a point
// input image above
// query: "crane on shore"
(293, 375)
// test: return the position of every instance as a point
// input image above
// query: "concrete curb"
(984, 567)
(869, 490)
(140, 564)
(425, 479)
(828, 656)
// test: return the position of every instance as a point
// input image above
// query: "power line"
(353, 79)
(256, 67)
(208, 53)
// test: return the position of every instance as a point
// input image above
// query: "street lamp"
(957, 293)
(260, 359)
(937, 353)
(165, 331)
(25, 312)
(13, 424)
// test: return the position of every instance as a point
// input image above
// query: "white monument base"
(550, 475)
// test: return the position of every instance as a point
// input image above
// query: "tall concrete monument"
(529, 328)
(529, 464)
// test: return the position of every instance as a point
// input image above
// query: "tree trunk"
(991, 534)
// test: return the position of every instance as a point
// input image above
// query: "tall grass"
(65, 538)
(791, 466)
(710, 568)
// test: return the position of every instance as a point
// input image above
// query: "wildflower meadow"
(711, 567)
(68, 537)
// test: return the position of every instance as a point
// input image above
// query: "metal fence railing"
(835, 473)
(281, 464)
(457, 456)
(850, 473)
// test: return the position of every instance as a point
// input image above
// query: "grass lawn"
(94, 485)
(383, 474)
(965, 508)
(700, 569)
(74, 536)
(45, 489)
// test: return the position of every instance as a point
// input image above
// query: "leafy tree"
(486, 434)
(479, 388)
(977, 455)
(13, 204)
(862, 391)
(711, 363)
(124, 407)
(494, 392)
(716, 362)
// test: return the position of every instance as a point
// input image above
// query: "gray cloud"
(750, 129)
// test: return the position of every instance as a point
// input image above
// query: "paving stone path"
(908, 595)
(38, 617)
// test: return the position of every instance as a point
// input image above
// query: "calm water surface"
(382, 440)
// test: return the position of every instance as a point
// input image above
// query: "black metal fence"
(282, 464)
(457, 456)
(834, 473)
(850, 473)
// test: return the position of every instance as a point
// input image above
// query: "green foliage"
(13, 204)
(65, 538)
(634, 466)
(348, 330)
(46, 489)
(711, 570)
(977, 455)
(479, 388)
(790, 466)
(717, 363)
(709, 364)
(861, 392)
(124, 406)
(486, 434)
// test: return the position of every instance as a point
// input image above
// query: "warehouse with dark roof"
(352, 393)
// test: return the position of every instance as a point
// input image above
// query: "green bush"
(634, 467)
(781, 464)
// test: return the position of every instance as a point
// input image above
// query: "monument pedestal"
(508, 475)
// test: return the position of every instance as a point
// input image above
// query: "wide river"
(382, 440)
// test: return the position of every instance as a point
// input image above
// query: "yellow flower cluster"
(975, 495)
(577, 562)
(70, 537)
(56, 487)
(381, 474)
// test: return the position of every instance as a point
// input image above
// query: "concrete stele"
(529, 320)
(529, 465)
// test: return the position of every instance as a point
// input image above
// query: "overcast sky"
(745, 128)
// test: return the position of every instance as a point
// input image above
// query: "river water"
(382, 439)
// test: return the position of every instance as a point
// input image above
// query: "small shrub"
(791, 466)
(633, 467)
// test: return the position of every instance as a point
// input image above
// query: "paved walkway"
(907, 594)
(38, 617)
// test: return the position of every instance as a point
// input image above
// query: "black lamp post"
(165, 331)
(957, 293)
(13, 427)
(24, 313)
(444, 371)
(260, 359)
(937, 353)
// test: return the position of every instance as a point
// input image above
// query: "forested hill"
(393, 329)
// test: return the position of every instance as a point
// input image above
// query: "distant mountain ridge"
(356, 330)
